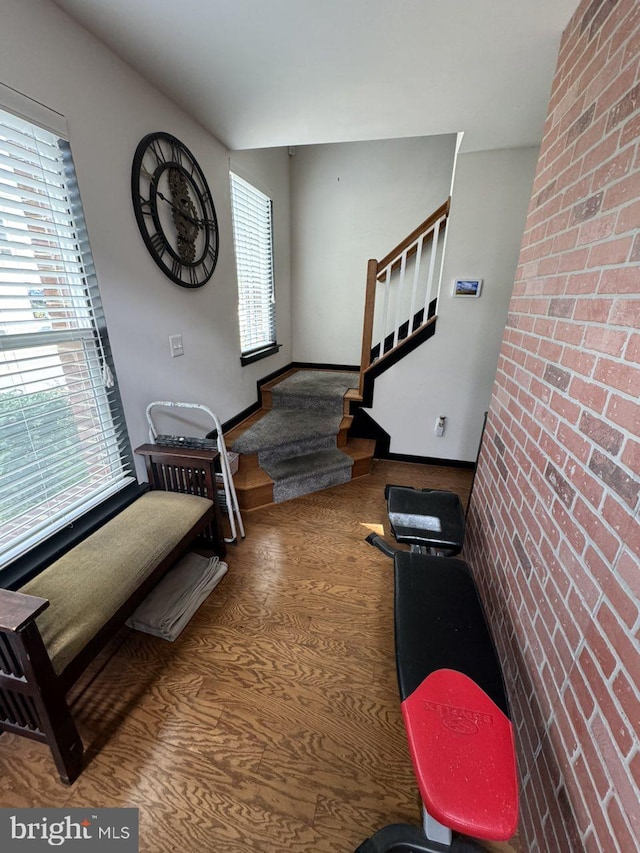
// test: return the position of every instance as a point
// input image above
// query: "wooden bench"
(55, 625)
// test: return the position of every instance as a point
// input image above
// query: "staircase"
(298, 443)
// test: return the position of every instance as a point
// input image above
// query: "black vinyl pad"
(440, 624)
(430, 517)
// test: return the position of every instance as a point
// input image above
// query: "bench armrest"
(17, 609)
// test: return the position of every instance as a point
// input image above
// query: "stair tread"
(307, 464)
(297, 425)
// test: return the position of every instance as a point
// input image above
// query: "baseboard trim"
(313, 365)
(241, 416)
(427, 460)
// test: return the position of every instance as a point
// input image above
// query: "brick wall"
(553, 528)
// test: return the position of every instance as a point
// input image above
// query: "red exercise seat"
(462, 749)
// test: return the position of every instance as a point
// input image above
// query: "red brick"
(618, 726)
(617, 478)
(610, 252)
(589, 394)
(582, 362)
(574, 442)
(619, 773)
(626, 106)
(626, 312)
(624, 377)
(585, 483)
(570, 333)
(605, 340)
(554, 285)
(627, 564)
(623, 192)
(565, 408)
(630, 131)
(614, 169)
(600, 534)
(620, 280)
(568, 527)
(574, 613)
(597, 229)
(621, 603)
(600, 154)
(621, 830)
(553, 451)
(549, 350)
(632, 352)
(583, 283)
(566, 241)
(623, 412)
(628, 218)
(558, 223)
(602, 433)
(544, 327)
(597, 649)
(626, 650)
(572, 261)
(626, 696)
(631, 456)
(593, 310)
(615, 93)
(591, 137)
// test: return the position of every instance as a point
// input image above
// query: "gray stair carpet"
(296, 440)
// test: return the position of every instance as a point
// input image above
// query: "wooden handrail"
(443, 210)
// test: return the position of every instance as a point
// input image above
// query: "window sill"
(256, 355)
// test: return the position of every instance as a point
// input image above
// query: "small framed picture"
(467, 287)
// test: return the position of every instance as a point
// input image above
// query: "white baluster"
(432, 261)
(399, 291)
(385, 309)
(414, 288)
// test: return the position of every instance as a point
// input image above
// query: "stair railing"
(400, 299)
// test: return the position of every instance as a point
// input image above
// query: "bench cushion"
(430, 517)
(463, 754)
(440, 624)
(90, 583)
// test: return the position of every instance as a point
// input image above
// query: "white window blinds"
(63, 442)
(253, 241)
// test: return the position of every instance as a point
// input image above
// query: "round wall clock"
(174, 209)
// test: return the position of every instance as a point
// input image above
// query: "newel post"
(367, 327)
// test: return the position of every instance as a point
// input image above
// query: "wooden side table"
(191, 472)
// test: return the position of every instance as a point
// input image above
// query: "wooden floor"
(273, 723)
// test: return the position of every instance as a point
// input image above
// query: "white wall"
(48, 57)
(452, 374)
(351, 202)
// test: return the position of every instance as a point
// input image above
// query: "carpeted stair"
(296, 440)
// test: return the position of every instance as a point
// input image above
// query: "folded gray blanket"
(170, 605)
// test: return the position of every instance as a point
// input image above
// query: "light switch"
(175, 345)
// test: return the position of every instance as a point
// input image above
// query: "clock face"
(174, 209)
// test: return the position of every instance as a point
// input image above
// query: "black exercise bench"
(454, 703)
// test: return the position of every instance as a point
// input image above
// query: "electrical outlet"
(175, 345)
(440, 425)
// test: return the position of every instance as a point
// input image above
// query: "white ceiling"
(261, 73)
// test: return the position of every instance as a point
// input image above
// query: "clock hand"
(193, 220)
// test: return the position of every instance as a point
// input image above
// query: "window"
(63, 441)
(253, 241)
